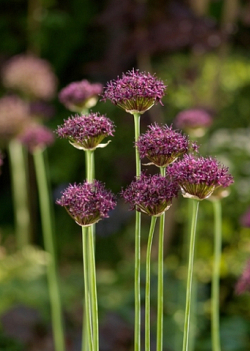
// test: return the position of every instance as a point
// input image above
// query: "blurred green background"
(201, 49)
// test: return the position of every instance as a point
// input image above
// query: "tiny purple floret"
(87, 203)
(199, 177)
(36, 137)
(86, 132)
(150, 194)
(135, 92)
(162, 145)
(80, 95)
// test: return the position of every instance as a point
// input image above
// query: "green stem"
(89, 165)
(190, 275)
(159, 341)
(137, 330)
(87, 330)
(20, 193)
(216, 277)
(147, 289)
(48, 237)
(93, 289)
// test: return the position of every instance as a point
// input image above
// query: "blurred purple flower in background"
(31, 76)
(80, 95)
(135, 92)
(245, 219)
(243, 284)
(41, 110)
(14, 116)
(194, 121)
(36, 136)
(86, 132)
(151, 194)
(162, 145)
(87, 203)
(199, 177)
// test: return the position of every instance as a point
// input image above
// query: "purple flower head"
(78, 96)
(135, 92)
(87, 203)
(243, 284)
(86, 132)
(162, 145)
(151, 194)
(193, 121)
(36, 137)
(245, 219)
(199, 177)
(14, 116)
(31, 76)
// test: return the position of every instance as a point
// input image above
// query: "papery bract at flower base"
(152, 195)
(135, 92)
(87, 203)
(162, 145)
(80, 95)
(36, 136)
(31, 76)
(86, 132)
(199, 177)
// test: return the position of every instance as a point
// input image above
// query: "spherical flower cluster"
(14, 115)
(31, 76)
(194, 121)
(151, 194)
(243, 284)
(80, 95)
(162, 145)
(36, 137)
(87, 203)
(135, 92)
(199, 177)
(86, 132)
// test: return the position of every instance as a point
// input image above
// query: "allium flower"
(14, 115)
(87, 203)
(135, 92)
(199, 177)
(162, 145)
(193, 121)
(86, 132)
(80, 95)
(31, 76)
(243, 284)
(151, 194)
(36, 136)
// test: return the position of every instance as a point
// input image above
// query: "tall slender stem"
(20, 193)
(47, 220)
(216, 277)
(159, 341)
(89, 165)
(87, 330)
(137, 328)
(93, 290)
(147, 289)
(190, 275)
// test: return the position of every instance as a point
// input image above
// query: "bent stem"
(147, 289)
(20, 192)
(190, 275)
(159, 341)
(216, 277)
(137, 330)
(47, 220)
